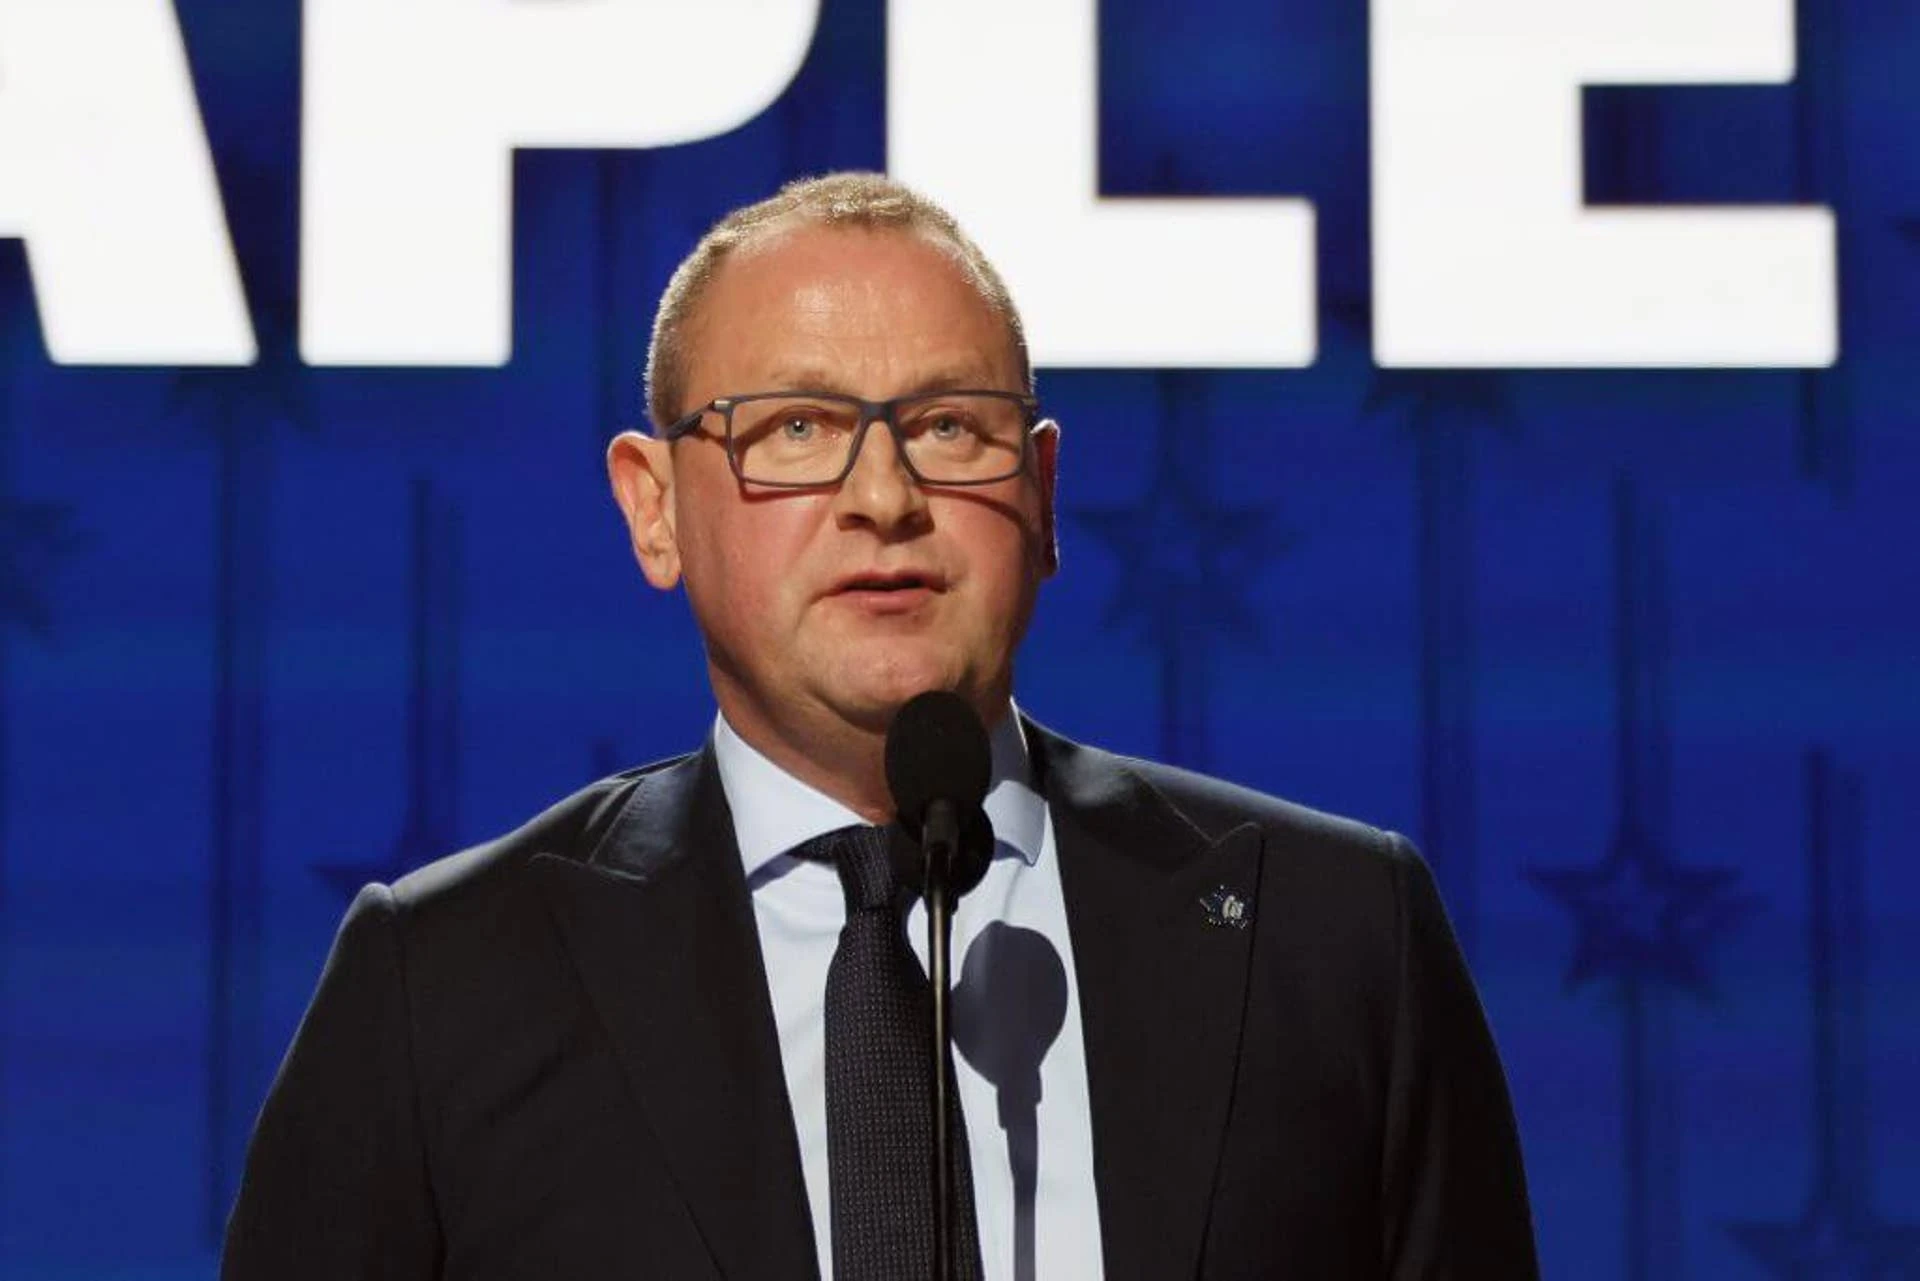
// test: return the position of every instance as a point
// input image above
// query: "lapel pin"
(1226, 908)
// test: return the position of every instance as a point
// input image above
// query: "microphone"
(938, 767)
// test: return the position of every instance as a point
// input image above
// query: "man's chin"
(873, 711)
(871, 701)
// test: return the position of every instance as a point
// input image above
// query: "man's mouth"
(902, 593)
(904, 581)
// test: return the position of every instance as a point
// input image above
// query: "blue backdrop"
(1631, 655)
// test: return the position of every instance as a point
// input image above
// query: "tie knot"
(862, 856)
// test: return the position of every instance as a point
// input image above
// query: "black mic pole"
(939, 764)
(941, 838)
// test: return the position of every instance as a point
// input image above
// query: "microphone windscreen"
(937, 750)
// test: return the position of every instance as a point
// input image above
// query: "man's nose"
(880, 489)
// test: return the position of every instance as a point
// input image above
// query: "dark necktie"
(879, 1092)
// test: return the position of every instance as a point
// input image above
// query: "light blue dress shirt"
(1016, 1004)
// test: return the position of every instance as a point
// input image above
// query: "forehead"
(872, 309)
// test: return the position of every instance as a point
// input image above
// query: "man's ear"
(640, 469)
(1046, 459)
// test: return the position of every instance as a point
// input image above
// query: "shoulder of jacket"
(1217, 806)
(570, 829)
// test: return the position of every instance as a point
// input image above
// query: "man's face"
(843, 602)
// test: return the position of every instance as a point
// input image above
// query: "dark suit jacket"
(553, 1056)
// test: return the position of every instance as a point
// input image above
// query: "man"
(1202, 1032)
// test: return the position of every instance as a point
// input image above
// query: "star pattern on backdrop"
(1186, 559)
(1479, 395)
(1833, 1241)
(1639, 915)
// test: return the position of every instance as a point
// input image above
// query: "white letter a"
(104, 171)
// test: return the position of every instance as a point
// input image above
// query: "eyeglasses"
(805, 439)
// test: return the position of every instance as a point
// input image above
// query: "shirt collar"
(773, 811)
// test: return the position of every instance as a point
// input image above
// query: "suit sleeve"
(336, 1182)
(1453, 1188)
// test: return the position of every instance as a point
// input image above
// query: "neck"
(834, 756)
(849, 767)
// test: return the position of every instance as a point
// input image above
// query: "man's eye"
(797, 428)
(947, 427)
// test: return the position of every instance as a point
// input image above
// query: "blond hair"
(870, 201)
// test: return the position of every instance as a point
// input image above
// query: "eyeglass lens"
(953, 438)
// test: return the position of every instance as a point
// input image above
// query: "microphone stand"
(941, 839)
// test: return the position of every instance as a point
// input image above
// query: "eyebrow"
(810, 379)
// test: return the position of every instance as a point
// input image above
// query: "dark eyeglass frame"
(871, 411)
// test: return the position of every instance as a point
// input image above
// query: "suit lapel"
(1162, 993)
(660, 926)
